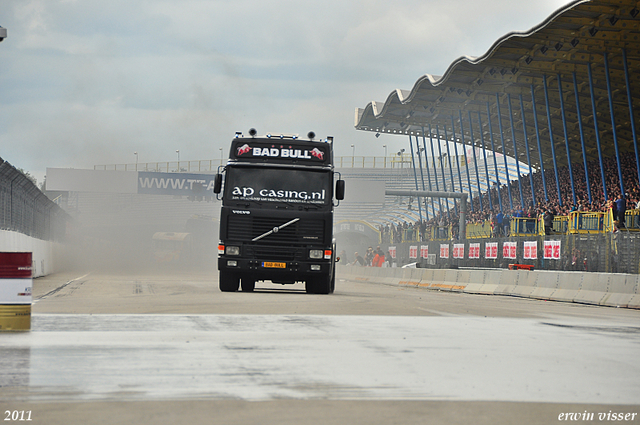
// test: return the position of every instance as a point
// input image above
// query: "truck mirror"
(340, 190)
(217, 184)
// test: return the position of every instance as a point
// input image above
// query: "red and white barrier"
(16, 283)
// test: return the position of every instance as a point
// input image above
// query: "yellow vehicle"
(171, 247)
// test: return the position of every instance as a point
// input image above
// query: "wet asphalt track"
(375, 343)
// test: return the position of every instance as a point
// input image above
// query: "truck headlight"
(233, 250)
(316, 254)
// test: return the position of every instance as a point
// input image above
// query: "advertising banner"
(276, 185)
(185, 184)
(458, 250)
(552, 250)
(280, 151)
(509, 250)
(444, 250)
(424, 251)
(530, 250)
(15, 278)
(413, 251)
(392, 251)
(491, 250)
(474, 250)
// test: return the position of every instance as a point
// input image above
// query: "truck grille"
(302, 232)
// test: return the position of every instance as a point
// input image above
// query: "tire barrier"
(605, 289)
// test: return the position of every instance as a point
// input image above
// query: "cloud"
(87, 83)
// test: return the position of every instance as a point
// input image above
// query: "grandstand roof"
(563, 47)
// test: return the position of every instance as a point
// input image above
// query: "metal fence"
(609, 252)
(25, 209)
(211, 165)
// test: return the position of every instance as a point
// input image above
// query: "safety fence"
(211, 165)
(608, 252)
(575, 223)
(25, 209)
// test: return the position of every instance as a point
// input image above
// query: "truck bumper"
(274, 270)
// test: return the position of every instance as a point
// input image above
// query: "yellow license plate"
(274, 265)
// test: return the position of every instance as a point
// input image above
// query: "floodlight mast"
(428, 194)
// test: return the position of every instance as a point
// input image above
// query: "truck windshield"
(278, 185)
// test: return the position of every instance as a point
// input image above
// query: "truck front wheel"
(248, 284)
(229, 282)
(318, 285)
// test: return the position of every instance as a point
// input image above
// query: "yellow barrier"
(441, 233)
(632, 220)
(479, 230)
(524, 226)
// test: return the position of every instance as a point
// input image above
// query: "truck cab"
(276, 221)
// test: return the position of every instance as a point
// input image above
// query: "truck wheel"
(229, 282)
(248, 284)
(318, 285)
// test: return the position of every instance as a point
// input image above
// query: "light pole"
(220, 156)
(136, 154)
(385, 156)
(353, 155)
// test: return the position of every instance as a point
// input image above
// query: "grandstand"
(557, 96)
(560, 99)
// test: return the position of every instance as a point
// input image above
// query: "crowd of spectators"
(544, 207)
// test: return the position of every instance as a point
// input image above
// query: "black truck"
(276, 221)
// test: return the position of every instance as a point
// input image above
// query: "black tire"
(318, 285)
(248, 284)
(229, 282)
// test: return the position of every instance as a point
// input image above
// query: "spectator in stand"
(621, 208)
(359, 261)
(499, 220)
(548, 218)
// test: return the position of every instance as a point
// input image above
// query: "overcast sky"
(91, 82)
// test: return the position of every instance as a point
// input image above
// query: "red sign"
(458, 250)
(474, 250)
(424, 251)
(552, 250)
(491, 250)
(444, 251)
(392, 251)
(530, 250)
(413, 251)
(509, 250)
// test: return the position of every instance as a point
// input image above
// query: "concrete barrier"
(16, 283)
(46, 255)
(607, 289)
